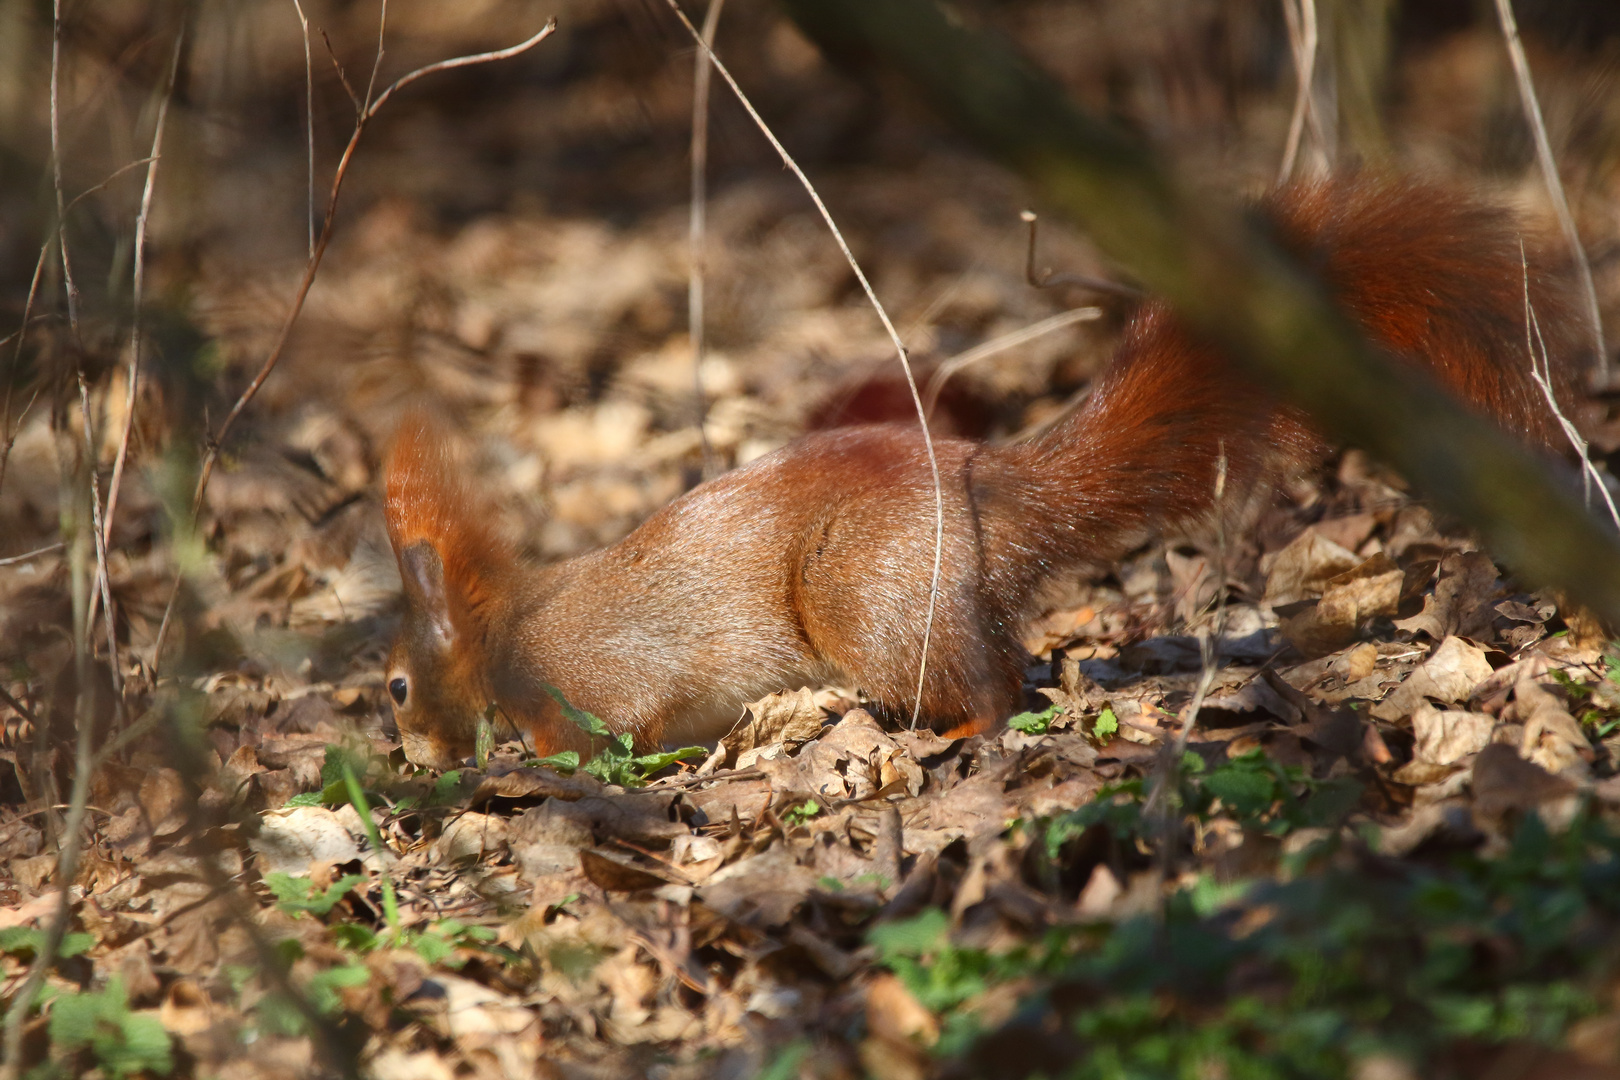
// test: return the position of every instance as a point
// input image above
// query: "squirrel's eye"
(397, 689)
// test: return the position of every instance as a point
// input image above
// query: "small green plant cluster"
(1252, 789)
(1297, 977)
(1039, 723)
(91, 1025)
(1597, 704)
(445, 943)
(101, 1025)
(617, 762)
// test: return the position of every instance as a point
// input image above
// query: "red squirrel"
(813, 563)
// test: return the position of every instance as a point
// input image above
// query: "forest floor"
(1385, 844)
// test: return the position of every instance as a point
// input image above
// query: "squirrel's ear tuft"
(422, 573)
(451, 558)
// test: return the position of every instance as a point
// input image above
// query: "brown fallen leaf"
(788, 716)
(1463, 601)
(618, 872)
(1303, 568)
(1503, 781)
(521, 783)
(1371, 588)
(1449, 675)
(472, 836)
(1445, 736)
(761, 891)
(290, 840)
(1553, 738)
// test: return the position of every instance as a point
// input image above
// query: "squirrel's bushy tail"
(1433, 276)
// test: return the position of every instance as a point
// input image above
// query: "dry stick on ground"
(1549, 175)
(883, 316)
(1303, 42)
(367, 111)
(1232, 284)
(698, 223)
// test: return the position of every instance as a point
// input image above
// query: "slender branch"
(98, 525)
(461, 62)
(1046, 279)
(1549, 175)
(67, 855)
(1002, 344)
(1541, 372)
(138, 288)
(376, 61)
(309, 123)
(16, 362)
(343, 77)
(1303, 42)
(311, 267)
(883, 316)
(13, 560)
(56, 166)
(698, 224)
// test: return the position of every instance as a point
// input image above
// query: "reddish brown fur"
(814, 562)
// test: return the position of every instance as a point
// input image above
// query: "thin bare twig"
(1303, 43)
(697, 226)
(1541, 371)
(376, 61)
(67, 856)
(56, 166)
(13, 560)
(29, 318)
(1209, 656)
(217, 439)
(1046, 279)
(888, 325)
(309, 123)
(343, 77)
(1002, 344)
(16, 361)
(97, 522)
(139, 286)
(1549, 176)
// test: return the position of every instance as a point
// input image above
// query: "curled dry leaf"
(472, 836)
(1553, 738)
(1445, 736)
(857, 759)
(788, 716)
(1304, 568)
(290, 840)
(1450, 675)
(1463, 601)
(1348, 599)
